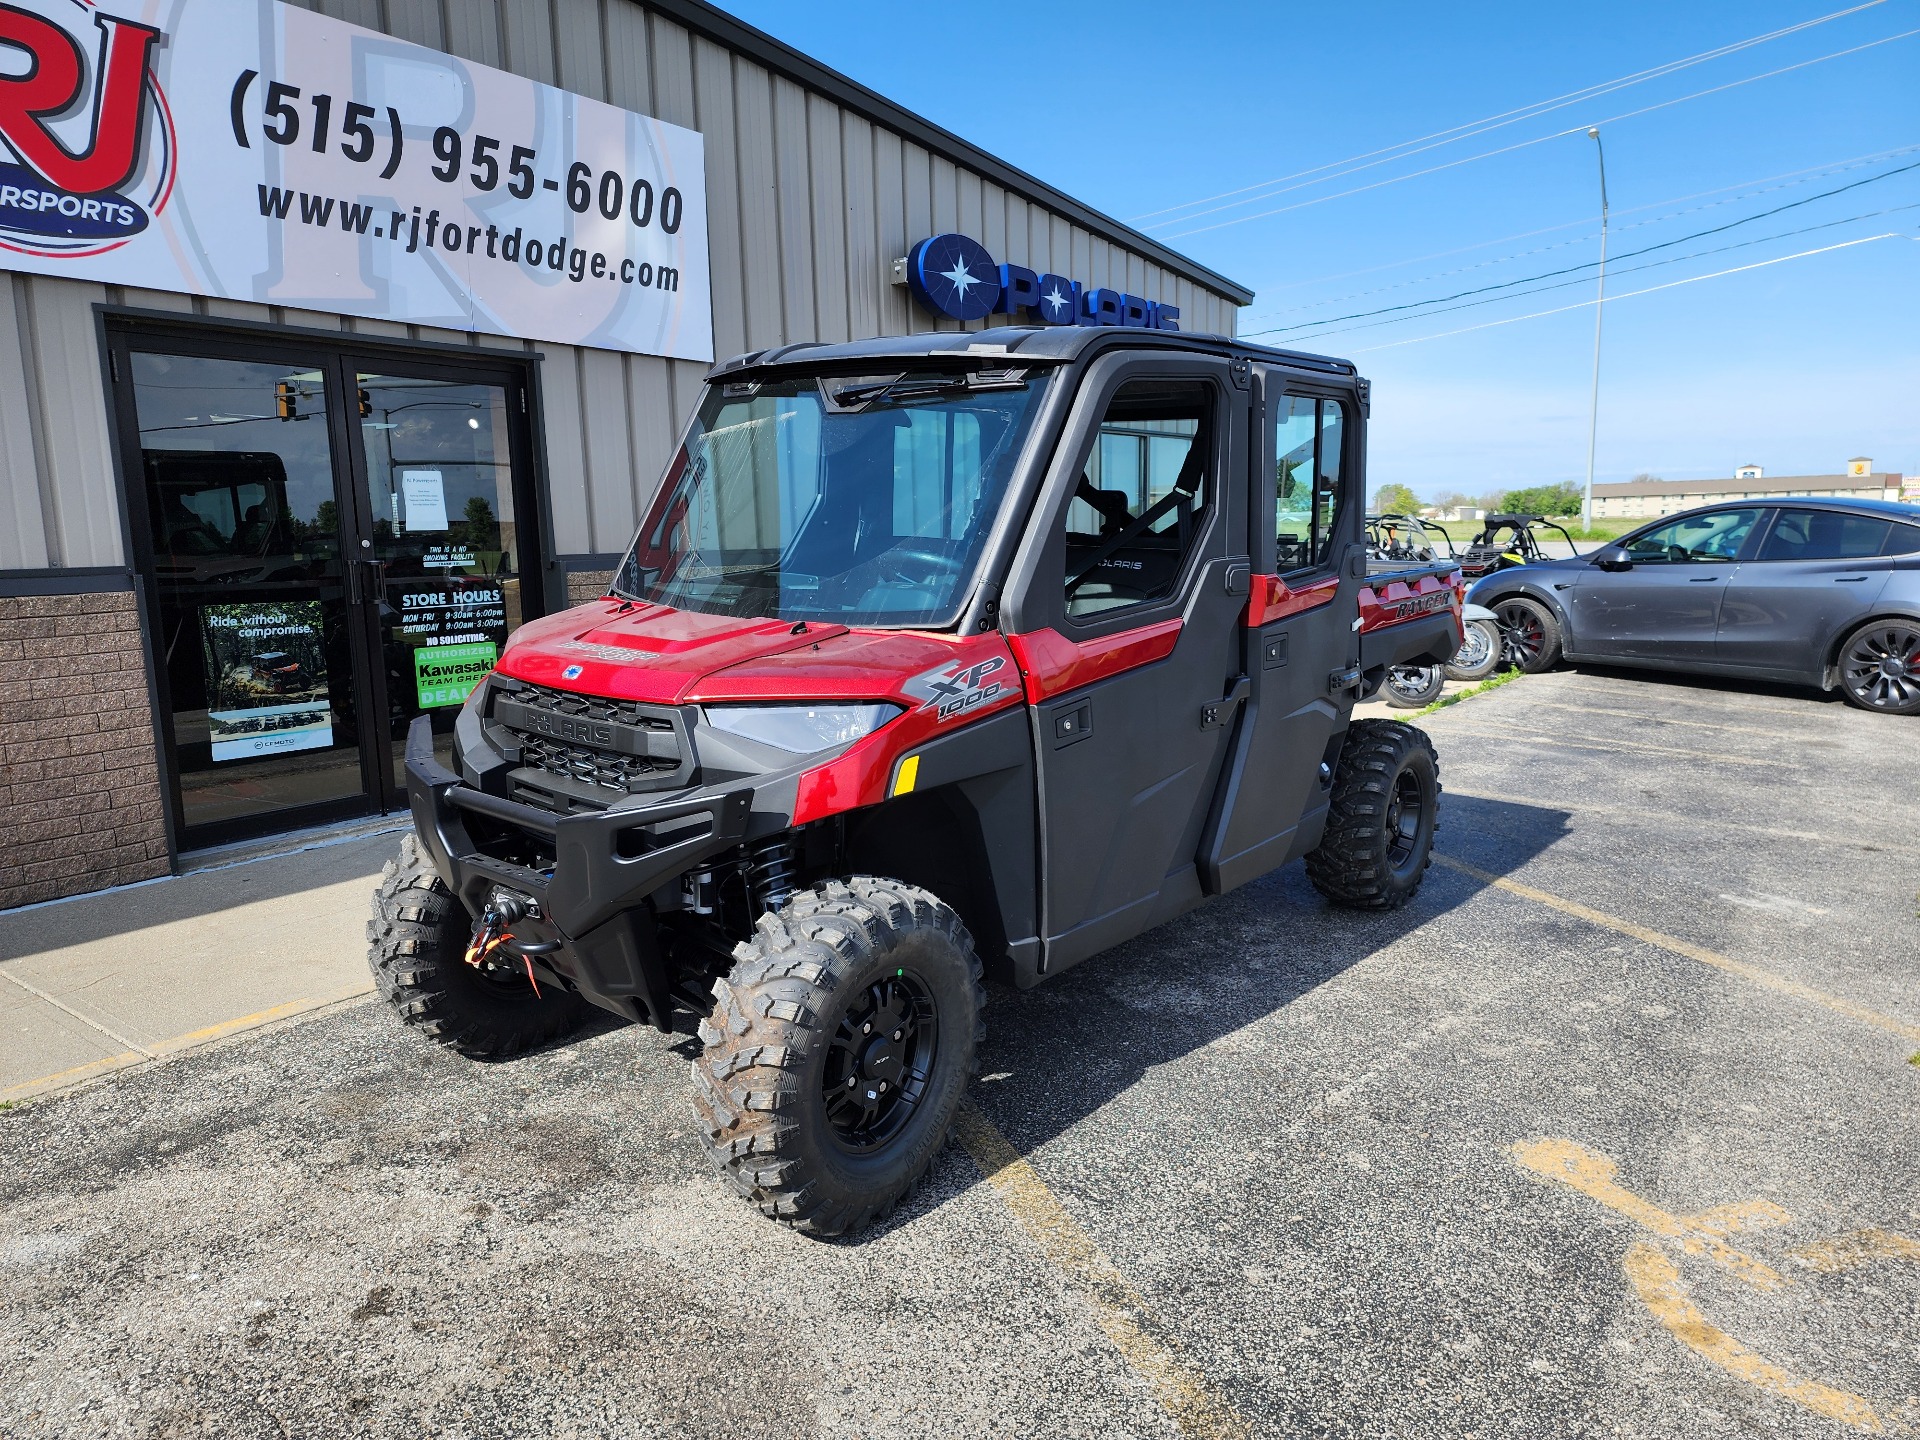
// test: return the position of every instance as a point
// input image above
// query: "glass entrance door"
(446, 539)
(331, 545)
(237, 466)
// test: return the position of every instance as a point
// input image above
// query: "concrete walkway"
(249, 936)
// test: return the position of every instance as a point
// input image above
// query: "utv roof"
(1015, 344)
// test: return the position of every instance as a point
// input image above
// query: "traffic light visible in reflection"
(366, 403)
(286, 400)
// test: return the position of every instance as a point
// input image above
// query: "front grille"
(618, 773)
(591, 707)
(596, 748)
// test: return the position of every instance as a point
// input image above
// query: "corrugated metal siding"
(808, 204)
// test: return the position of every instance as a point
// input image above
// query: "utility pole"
(1599, 309)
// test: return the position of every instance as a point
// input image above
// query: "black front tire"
(1381, 821)
(417, 941)
(1532, 633)
(784, 1025)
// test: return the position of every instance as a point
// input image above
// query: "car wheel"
(1479, 652)
(1409, 687)
(1880, 667)
(1532, 633)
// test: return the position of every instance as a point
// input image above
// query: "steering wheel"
(939, 559)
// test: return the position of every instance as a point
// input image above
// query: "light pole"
(1599, 309)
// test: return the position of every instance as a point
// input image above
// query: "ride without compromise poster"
(266, 679)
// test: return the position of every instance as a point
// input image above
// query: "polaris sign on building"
(331, 354)
(953, 275)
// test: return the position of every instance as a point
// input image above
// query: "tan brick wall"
(80, 801)
(585, 585)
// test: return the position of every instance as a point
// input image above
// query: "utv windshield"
(857, 499)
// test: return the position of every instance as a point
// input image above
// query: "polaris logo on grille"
(566, 727)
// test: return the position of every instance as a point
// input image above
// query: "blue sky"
(1136, 107)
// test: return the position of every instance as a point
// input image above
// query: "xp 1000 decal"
(252, 150)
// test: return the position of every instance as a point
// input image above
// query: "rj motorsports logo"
(87, 148)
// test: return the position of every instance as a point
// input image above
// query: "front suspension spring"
(772, 871)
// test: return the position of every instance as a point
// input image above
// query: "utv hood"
(636, 651)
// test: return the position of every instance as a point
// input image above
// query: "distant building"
(1635, 499)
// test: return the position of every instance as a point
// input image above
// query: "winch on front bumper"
(591, 876)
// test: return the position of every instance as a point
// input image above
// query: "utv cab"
(934, 656)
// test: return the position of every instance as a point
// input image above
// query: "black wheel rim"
(1881, 668)
(880, 1061)
(1414, 682)
(1526, 636)
(1406, 815)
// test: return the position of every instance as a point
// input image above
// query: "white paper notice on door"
(425, 495)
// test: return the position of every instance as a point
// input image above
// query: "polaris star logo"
(87, 153)
(952, 690)
(572, 672)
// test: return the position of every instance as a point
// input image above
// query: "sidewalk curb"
(163, 1052)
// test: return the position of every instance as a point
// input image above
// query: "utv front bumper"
(592, 922)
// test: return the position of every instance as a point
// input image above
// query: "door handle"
(1848, 579)
(1701, 579)
(1219, 712)
(1239, 577)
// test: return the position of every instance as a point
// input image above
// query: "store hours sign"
(250, 150)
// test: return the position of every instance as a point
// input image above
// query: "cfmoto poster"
(266, 679)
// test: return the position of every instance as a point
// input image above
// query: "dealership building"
(338, 340)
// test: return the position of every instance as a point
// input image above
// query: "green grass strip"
(1492, 682)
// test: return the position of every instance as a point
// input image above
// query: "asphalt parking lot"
(1610, 1133)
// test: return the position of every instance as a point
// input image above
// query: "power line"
(1523, 144)
(1630, 294)
(1523, 112)
(1589, 264)
(1630, 270)
(1764, 185)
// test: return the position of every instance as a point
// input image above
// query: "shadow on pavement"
(1071, 1045)
(1726, 684)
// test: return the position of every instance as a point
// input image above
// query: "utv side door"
(1306, 504)
(1124, 608)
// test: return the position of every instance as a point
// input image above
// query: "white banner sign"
(254, 151)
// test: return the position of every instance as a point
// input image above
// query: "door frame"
(122, 329)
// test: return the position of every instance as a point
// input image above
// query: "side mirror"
(1613, 557)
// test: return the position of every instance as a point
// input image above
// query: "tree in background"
(1543, 500)
(483, 531)
(1395, 500)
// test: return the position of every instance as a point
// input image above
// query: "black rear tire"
(1880, 667)
(1532, 633)
(791, 1094)
(1382, 818)
(417, 939)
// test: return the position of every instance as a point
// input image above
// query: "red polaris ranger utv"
(933, 654)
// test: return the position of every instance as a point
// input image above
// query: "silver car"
(1813, 592)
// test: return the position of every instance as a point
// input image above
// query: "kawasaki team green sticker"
(446, 674)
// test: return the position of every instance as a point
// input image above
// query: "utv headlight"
(800, 728)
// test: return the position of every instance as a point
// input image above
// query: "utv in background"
(935, 656)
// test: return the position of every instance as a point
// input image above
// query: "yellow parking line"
(63, 1078)
(1189, 1401)
(1753, 974)
(1657, 1282)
